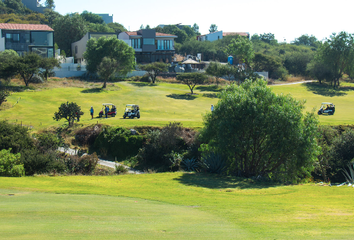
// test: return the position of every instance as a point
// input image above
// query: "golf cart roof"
(327, 103)
(131, 105)
(109, 104)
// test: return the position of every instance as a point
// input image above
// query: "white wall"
(81, 47)
(2, 42)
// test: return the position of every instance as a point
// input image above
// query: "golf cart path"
(291, 83)
(101, 161)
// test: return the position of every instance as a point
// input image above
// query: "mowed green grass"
(171, 206)
(160, 104)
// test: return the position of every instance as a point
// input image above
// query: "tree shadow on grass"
(209, 88)
(326, 90)
(210, 95)
(143, 84)
(94, 90)
(182, 96)
(16, 88)
(213, 181)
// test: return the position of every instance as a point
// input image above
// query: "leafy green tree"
(337, 54)
(296, 62)
(51, 15)
(15, 137)
(17, 6)
(268, 38)
(69, 29)
(69, 111)
(319, 71)
(196, 29)
(154, 69)
(8, 59)
(113, 48)
(3, 96)
(307, 41)
(262, 134)
(192, 79)
(50, 4)
(98, 27)
(10, 164)
(270, 64)
(242, 49)
(118, 28)
(174, 30)
(48, 64)
(216, 69)
(213, 28)
(107, 68)
(27, 66)
(91, 17)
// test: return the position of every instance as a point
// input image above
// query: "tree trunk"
(104, 84)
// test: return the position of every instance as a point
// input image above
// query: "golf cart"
(112, 110)
(131, 111)
(326, 108)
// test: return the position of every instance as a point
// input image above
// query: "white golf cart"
(131, 111)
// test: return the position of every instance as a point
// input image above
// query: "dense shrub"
(15, 137)
(118, 142)
(10, 165)
(82, 165)
(164, 149)
(88, 135)
(47, 141)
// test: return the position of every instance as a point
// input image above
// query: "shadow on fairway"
(210, 95)
(93, 90)
(326, 90)
(214, 182)
(211, 88)
(15, 88)
(182, 96)
(142, 84)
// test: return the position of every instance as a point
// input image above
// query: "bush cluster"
(165, 149)
(119, 143)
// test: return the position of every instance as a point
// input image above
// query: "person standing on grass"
(91, 112)
(107, 110)
(212, 107)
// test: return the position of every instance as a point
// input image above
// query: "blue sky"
(286, 19)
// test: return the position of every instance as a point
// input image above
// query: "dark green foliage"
(10, 165)
(69, 29)
(266, 63)
(27, 66)
(3, 96)
(118, 142)
(120, 169)
(192, 79)
(190, 164)
(48, 64)
(91, 17)
(88, 135)
(349, 174)
(214, 163)
(47, 141)
(261, 133)
(154, 69)
(15, 137)
(165, 148)
(112, 48)
(117, 28)
(17, 6)
(69, 111)
(81, 165)
(8, 59)
(307, 41)
(296, 62)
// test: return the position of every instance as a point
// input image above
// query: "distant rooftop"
(28, 27)
(157, 34)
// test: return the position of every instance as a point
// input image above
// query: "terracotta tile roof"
(157, 34)
(245, 34)
(29, 27)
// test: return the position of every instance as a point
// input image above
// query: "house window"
(148, 41)
(42, 38)
(16, 37)
(136, 43)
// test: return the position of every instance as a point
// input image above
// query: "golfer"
(91, 112)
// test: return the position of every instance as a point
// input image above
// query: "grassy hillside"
(173, 206)
(160, 104)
